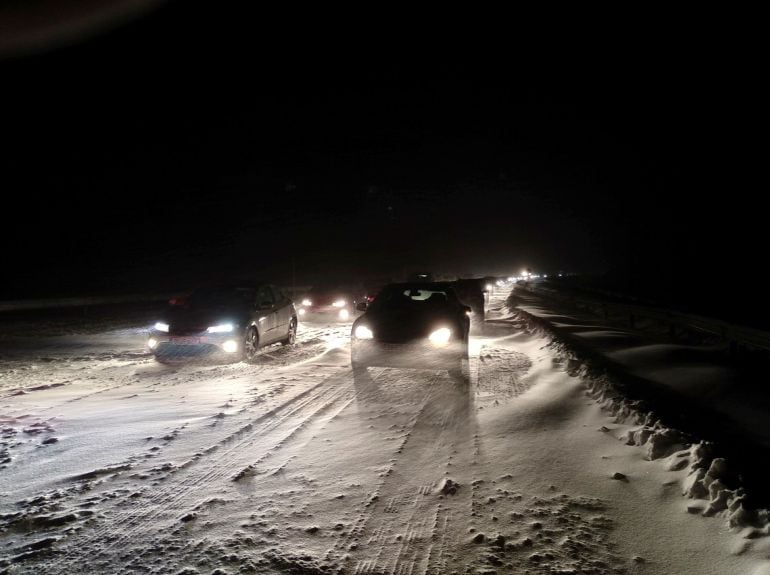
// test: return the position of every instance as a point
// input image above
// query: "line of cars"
(420, 323)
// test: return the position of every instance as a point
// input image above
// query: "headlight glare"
(230, 346)
(221, 328)
(306, 302)
(363, 332)
(160, 326)
(339, 303)
(440, 336)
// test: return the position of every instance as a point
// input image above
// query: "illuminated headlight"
(230, 346)
(344, 314)
(221, 328)
(363, 332)
(440, 336)
(160, 326)
(301, 311)
(490, 287)
(152, 343)
(339, 303)
(469, 313)
(306, 302)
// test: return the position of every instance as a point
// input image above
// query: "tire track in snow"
(406, 526)
(278, 423)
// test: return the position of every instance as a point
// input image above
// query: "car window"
(412, 297)
(277, 293)
(424, 294)
(265, 294)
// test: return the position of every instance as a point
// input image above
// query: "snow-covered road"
(112, 463)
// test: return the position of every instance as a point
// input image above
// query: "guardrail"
(736, 335)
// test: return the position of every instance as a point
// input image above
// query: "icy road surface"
(113, 463)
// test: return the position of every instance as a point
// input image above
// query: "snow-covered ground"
(112, 463)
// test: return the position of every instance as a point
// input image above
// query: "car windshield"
(416, 297)
(221, 297)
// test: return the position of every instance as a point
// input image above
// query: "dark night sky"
(200, 141)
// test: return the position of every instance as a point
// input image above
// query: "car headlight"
(221, 328)
(160, 326)
(440, 336)
(339, 303)
(363, 332)
(306, 302)
(152, 343)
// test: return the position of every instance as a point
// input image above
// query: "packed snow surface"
(113, 463)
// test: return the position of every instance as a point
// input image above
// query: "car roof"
(438, 286)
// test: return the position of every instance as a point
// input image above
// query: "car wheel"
(164, 359)
(291, 338)
(250, 344)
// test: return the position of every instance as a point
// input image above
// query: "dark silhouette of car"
(231, 321)
(330, 303)
(413, 325)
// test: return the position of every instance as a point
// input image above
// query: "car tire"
(291, 339)
(165, 359)
(250, 344)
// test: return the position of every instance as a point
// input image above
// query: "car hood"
(185, 320)
(405, 325)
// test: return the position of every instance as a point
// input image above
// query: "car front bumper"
(163, 344)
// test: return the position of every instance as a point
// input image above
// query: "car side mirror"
(467, 309)
(362, 305)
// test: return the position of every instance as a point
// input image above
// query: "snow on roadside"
(711, 487)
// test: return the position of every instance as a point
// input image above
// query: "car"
(330, 303)
(413, 324)
(231, 321)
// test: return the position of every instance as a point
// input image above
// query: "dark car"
(330, 303)
(413, 325)
(233, 321)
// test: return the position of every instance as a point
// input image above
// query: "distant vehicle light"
(440, 336)
(221, 328)
(344, 314)
(301, 311)
(469, 313)
(490, 287)
(160, 326)
(152, 343)
(230, 346)
(306, 302)
(339, 303)
(363, 332)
